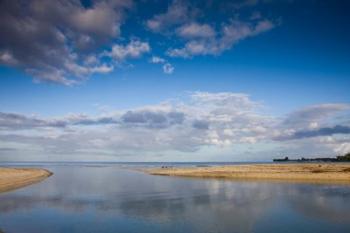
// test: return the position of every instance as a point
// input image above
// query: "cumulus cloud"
(313, 121)
(67, 41)
(7, 58)
(186, 125)
(167, 67)
(202, 37)
(342, 148)
(313, 115)
(48, 39)
(195, 30)
(218, 119)
(134, 49)
(200, 124)
(236, 101)
(152, 119)
(177, 13)
(157, 60)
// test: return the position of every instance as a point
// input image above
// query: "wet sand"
(14, 178)
(297, 172)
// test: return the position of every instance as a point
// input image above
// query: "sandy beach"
(13, 178)
(309, 173)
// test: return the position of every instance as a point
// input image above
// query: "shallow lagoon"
(109, 198)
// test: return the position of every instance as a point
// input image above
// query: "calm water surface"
(112, 199)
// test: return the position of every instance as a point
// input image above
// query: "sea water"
(118, 198)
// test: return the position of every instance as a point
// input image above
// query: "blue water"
(114, 198)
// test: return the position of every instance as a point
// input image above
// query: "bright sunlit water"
(110, 198)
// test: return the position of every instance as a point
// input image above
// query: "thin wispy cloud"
(319, 132)
(229, 34)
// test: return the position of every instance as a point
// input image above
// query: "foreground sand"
(311, 173)
(13, 178)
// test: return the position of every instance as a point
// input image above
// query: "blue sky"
(263, 62)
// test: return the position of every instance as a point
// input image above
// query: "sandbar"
(14, 178)
(296, 172)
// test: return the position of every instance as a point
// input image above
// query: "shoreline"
(294, 172)
(15, 178)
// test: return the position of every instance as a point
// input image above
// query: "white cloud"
(100, 20)
(167, 67)
(182, 126)
(195, 30)
(91, 60)
(230, 34)
(103, 69)
(157, 60)
(61, 41)
(342, 148)
(7, 58)
(202, 120)
(134, 49)
(177, 13)
(184, 20)
(56, 41)
(313, 115)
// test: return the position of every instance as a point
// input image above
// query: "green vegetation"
(340, 158)
(345, 157)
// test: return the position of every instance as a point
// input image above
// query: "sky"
(156, 80)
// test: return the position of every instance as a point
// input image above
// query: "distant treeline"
(340, 158)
